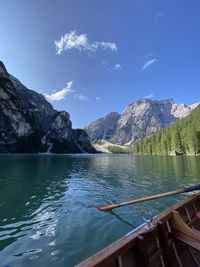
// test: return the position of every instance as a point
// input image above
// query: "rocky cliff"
(103, 128)
(139, 119)
(29, 124)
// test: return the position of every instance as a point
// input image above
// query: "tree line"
(183, 137)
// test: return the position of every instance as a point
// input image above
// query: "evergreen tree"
(182, 137)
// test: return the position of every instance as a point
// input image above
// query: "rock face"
(103, 128)
(29, 124)
(139, 119)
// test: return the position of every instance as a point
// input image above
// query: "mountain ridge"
(30, 124)
(181, 138)
(139, 119)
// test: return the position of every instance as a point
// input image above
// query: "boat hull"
(159, 246)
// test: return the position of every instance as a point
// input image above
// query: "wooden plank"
(119, 247)
(187, 240)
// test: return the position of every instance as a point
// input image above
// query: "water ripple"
(47, 203)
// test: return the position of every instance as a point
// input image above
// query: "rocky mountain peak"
(104, 127)
(3, 71)
(139, 119)
(181, 110)
(29, 124)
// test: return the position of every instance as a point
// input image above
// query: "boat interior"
(172, 240)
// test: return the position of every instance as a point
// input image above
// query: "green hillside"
(183, 137)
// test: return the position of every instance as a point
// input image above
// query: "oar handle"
(192, 188)
(143, 199)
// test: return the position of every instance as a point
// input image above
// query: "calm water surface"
(47, 216)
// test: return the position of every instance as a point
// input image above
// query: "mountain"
(139, 119)
(183, 137)
(103, 128)
(29, 124)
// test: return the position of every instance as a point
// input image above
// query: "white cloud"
(149, 63)
(107, 45)
(149, 96)
(81, 97)
(81, 42)
(60, 95)
(117, 67)
(97, 98)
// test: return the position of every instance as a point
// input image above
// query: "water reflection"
(28, 180)
(47, 202)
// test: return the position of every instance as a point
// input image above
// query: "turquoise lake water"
(47, 213)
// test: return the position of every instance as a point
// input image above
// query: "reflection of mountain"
(28, 188)
(186, 169)
(139, 174)
(31, 180)
(47, 201)
(168, 172)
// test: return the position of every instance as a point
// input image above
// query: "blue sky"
(93, 57)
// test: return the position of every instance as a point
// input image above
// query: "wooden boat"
(173, 240)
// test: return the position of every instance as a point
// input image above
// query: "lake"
(47, 213)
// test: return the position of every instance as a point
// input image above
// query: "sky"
(92, 57)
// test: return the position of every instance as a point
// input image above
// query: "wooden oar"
(126, 203)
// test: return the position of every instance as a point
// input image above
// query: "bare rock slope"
(139, 119)
(29, 124)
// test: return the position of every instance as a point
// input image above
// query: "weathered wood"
(127, 247)
(167, 244)
(186, 239)
(181, 226)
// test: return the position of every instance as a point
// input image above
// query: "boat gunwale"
(116, 248)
